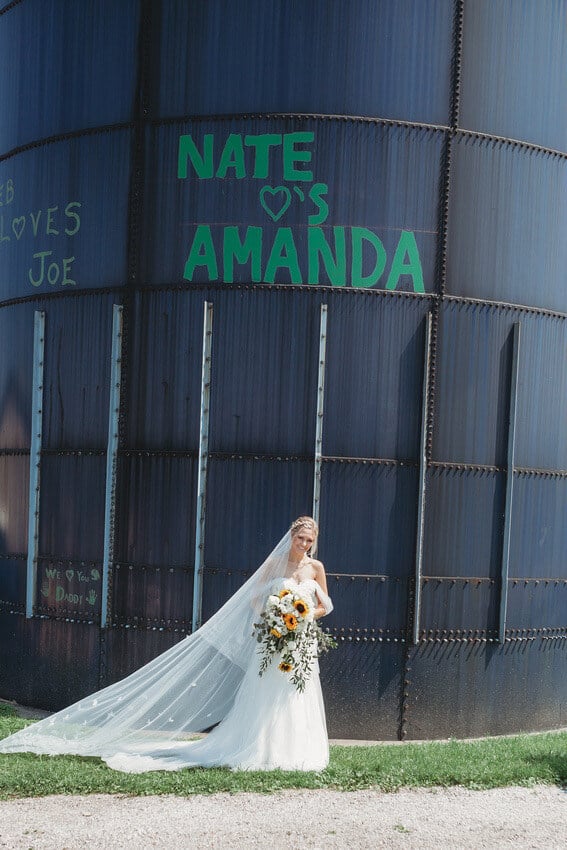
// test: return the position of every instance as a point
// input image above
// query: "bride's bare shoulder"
(318, 567)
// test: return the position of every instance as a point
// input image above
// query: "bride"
(146, 721)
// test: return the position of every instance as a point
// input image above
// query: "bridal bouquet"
(287, 629)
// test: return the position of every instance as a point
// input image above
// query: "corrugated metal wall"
(439, 121)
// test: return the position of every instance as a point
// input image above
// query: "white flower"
(273, 600)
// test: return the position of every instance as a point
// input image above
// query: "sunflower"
(275, 633)
(291, 621)
(283, 593)
(301, 607)
(285, 667)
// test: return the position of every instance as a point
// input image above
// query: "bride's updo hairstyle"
(306, 522)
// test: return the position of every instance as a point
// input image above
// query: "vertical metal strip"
(320, 410)
(202, 471)
(111, 459)
(35, 459)
(422, 473)
(509, 483)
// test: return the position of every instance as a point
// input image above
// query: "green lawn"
(488, 763)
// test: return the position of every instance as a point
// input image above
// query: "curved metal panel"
(77, 374)
(65, 66)
(472, 384)
(368, 522)
(221, 57)
(531, 603)
(452, 606)
(264, 374)
(375, 213)
(364, 602)
(127, 650)
(155, 522)
(463, 532)
(473, 394)
(65, 226)
(370, 708)
(72, 507)
(506, 228)
(16, 346)
(540, 431)
(14, 483)
(513, 74)
(262, 494)
(184, 202)
(481, 688)
(165, 367)
(148, 597)
(60, 659)
(539, 530)
(373, 377)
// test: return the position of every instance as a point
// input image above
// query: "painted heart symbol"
(70, 574)
(275, 201)
(18, 225)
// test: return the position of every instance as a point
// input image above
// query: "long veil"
(186, 689)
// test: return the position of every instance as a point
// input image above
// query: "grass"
(488, 763)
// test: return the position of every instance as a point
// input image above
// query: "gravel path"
(442, 819)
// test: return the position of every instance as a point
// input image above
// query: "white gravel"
(455, 819)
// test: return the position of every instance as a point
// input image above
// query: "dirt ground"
(456, 819)
(438, 819)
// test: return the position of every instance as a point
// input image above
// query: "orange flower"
(283, 593)
(291, 621)
(285, 667)
(301, 607)
(275, 633)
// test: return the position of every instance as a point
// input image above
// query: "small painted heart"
(18, 225)
(275, 201)
(70, 574)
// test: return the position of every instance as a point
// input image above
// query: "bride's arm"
(325, 605)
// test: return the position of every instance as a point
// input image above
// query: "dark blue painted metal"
(368, 522)
(463, 534)
(506, 240)
(60, 660)
(539, 542)
(157, 497)
(374, 373)
(66, 79)
(72, 509)
(265, 357)
(16, 336)
(449, 605)
(165, 345)
(371, 710)
(14, 496)
(489, 219)
(358, 193)
(477, 688)
(77, 374)
(220, 57)
(87, 225)
(513, 76)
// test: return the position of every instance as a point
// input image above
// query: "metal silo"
(260, 259)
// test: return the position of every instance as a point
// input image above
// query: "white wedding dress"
(148, 720)
(270, 726)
